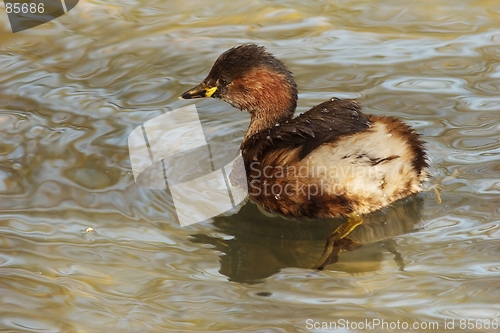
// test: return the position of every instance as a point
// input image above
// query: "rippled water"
(84, 249)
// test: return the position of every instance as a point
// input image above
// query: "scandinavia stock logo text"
(171, 149)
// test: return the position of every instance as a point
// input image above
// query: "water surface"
(72, 90)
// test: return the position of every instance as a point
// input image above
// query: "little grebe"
(332, 161)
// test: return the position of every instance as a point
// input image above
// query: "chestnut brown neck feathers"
(269, 97)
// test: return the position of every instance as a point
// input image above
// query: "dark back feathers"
(323, 123)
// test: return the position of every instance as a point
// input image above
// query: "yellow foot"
(338, 241)
(439, 186)
(438, 197)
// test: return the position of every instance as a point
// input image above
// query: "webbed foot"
(338, 241)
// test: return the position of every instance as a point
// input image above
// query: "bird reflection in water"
(259, 246)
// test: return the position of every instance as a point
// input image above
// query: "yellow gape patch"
(210, 91)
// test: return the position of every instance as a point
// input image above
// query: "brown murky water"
(72, 90)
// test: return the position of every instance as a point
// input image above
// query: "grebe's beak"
(200, 91)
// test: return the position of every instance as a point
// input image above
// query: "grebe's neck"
(272, 99)
(260, 121)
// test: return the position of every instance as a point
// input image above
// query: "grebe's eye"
(221, 82)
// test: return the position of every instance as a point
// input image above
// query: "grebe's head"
(250, 79)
